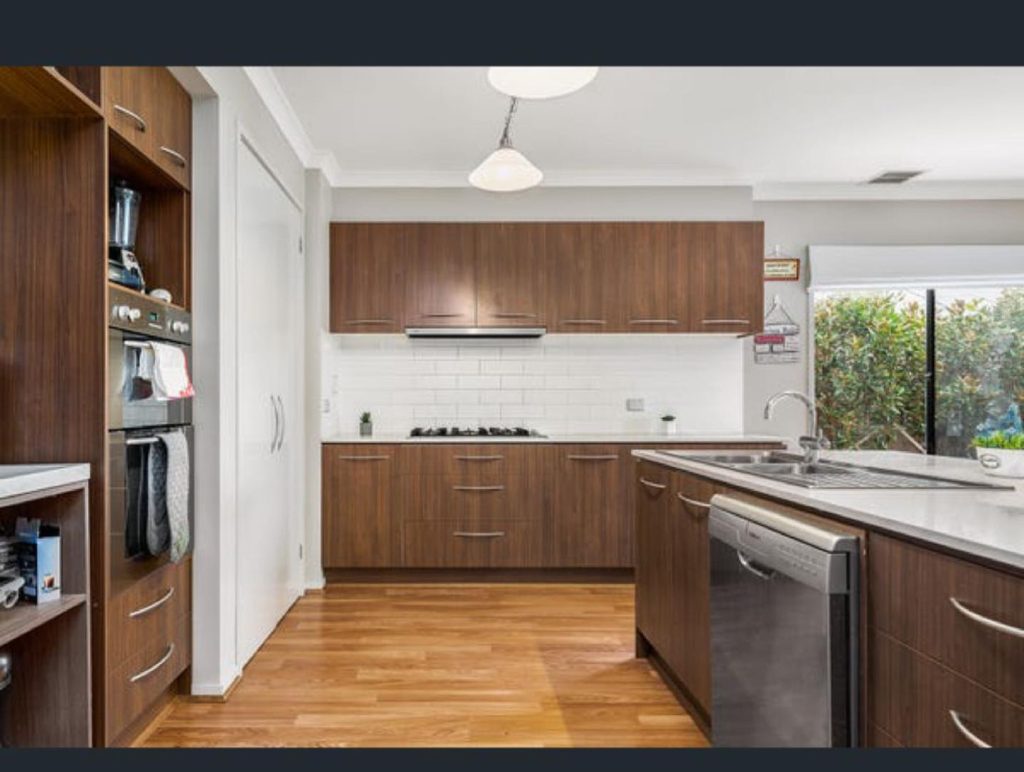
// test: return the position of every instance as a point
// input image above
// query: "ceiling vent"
(893, 178)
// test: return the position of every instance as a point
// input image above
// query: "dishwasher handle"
(762, 573)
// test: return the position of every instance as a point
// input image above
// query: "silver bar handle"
(725, 321)
(652, 485)
(512, 315)
(443, 315)
(478, 534)
(369, 321)
(140, 123)
(654, 321)
(478, 488)
(985, 621)
(142, 441)
(136, 344)
(284, 422)
(152, 606)
(967, 733)
(584, 321)
(694, 503)
(364, 458)
(155, 666)
(478, 458)
(277, 424)
(596, 457)
(748, 564)
(177, 157)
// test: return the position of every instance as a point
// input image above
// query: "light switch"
(635, 404)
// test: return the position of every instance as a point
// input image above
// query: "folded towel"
(165, 367)
(167, 525)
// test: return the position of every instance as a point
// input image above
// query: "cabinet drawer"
(133, 686)
(472, 460)
(951, 610)
(920, 703)
(148, 611)
(472, 543)
(451, 497)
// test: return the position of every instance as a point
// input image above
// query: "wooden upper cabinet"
(129, 105)
(652, 276)
(511, 275)
(368, 262)
(583, 282)
(440, 280)
(172, 134)
(727, 288)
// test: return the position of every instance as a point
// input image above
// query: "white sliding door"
(269, 421)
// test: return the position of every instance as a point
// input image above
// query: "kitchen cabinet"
(472, 543)
(360, 524)
(654, 554)
(653, 270)
(368, 264)
(511, 275)
(440, 276)
(585, 277)
(726, 286)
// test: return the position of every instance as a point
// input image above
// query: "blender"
(122, 266)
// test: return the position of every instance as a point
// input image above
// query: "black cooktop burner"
(476, 431)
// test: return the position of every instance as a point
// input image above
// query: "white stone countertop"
(22, 479)
(626, 439)
(987, 524)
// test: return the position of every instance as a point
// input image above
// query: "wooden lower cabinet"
(591, 526)
(359, 527)
(654, 554)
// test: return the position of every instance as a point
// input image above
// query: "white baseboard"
(316, 584)
(217, 689)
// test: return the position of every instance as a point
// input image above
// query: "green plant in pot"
(365, 425)
(1001, 453)
(668, 423)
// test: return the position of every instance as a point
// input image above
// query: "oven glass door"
(130, 398)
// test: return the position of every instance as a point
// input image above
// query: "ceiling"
(426, 126)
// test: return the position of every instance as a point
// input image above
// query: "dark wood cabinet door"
(727, 288)
(584, 277)
(441, 276)
(653, 263)
(590, 523)
(360, 528)
(368, 261)
(653, 576)
(172, 129)
(511, 275)
(129, 105)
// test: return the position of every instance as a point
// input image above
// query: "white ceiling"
(664, 125)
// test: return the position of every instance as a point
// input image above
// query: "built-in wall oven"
(135, 419)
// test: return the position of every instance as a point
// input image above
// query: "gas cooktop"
(497, 432)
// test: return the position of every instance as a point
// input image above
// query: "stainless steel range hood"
(475, 332)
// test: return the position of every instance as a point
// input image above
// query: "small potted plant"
(1001, 454)
(365, 425)
(668, 423)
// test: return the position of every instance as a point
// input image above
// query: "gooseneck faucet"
(815, 441)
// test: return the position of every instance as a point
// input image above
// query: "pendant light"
(540, 82)
(506, 169)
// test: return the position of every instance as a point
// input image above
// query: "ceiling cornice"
(919, 190)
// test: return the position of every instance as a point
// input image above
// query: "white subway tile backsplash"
(557, 384)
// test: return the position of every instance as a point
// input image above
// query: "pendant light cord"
(506, 139)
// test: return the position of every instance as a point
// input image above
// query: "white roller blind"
(863, 267)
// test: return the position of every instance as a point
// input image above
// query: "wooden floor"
(444, 665)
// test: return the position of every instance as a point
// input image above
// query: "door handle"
(478, 458)
(652, 485)
(478, 534)
(724, 321)
(277, 424)
(155, 666)
(694, 503)
(654, 321)
(152, 606)
(478, 488)
(584, 321)
(177, 157)
(284, 422)
(993, 624)
(961, 727)
(140, 124)
(748, 564)
(512, 315)
(596, 457)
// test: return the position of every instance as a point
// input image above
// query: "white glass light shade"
(540, 82)
(505, 170)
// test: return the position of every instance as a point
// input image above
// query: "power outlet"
(635, 405)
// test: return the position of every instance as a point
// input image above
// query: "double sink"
(794, 470)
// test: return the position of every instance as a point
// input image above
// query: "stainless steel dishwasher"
(783, 629)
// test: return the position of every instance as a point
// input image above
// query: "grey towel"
(167, 524)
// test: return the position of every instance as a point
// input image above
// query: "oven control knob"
(180, 327)
(121, 313)
(134, 314)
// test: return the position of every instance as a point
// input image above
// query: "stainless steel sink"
(791, 469)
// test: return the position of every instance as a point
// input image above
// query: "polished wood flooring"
(444, 665)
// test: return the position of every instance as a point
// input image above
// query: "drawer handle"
(694, 503)
(479, 458)
(478, 534)
(369, 321)
(967, 733)
(608, 457)
(443, 315)
(478, 488)
(584, 321)
(155, 666)
(652, 485)
(725, 321)
(177, 157)
(654, 321)
(512, 315)
(139, 612)
(364, 458)
(140, 124)
(985, 621)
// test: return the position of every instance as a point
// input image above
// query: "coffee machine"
(122, 265)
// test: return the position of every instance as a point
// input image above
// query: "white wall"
(229, 105)
(559, 384)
